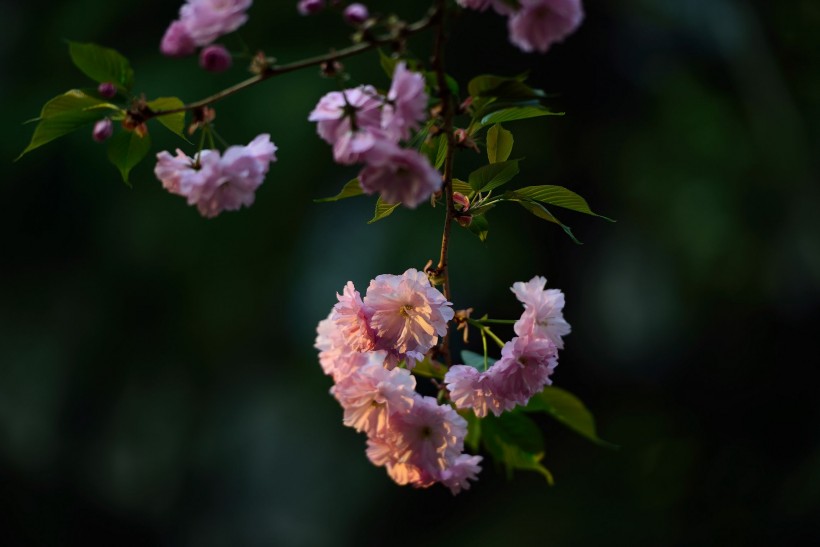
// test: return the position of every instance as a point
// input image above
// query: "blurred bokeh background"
(158, 384)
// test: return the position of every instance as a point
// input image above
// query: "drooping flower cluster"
(366, 127)
(535, 24)
(201, 22)
(527, 361)
(217, 182)
(361, 345)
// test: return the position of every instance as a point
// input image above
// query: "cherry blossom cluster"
(534, 25)
(200, 23)
(527, 361)
(217, 182)
(361, 344)
(366, 127)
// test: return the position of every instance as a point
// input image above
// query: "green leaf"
(351, 189)
(429, 369)
(569, 410)
(383, 210)
(441, 155)
(517, 113)
(499, 144)
(461, 187)
(480, 227)
(174, 122)
(473, 437)
(102, 64)
(502, 87)
(541, 212)
(62, 115)
(126, 149)
(559, 196)
(387, 63)
(493, 175)
(476, 360)
(515, 442)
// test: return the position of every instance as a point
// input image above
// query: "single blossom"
(374, 393)
(470, 388)
(407, 314)
(524, 369)
(543, 311)
(541, 23)
(350, 121)
(400, 176)
(337, 359)
(215, 58)
(356, 14)
(406, 104)
(456, 476)
(351, 317)
(201, 22)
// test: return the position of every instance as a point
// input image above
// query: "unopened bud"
(215, 58)
(331, 69)
(103, 130)
(107, 90)
(356, 14)
(461, 202)
(309, 7)
(464, 220)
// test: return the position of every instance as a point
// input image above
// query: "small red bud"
(107, 90)
(215, 58)
(464, 220)
(461, 202)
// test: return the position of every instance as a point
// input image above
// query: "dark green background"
(158, 384)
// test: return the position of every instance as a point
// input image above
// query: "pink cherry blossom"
(207, 20)
(335, 356)
(407, 103)
(470, 388)
(500, 6)
(351, 318)
(543, 311)
(217, 183)
(350, 121)
(177, 41)
(373, 394)
(464, 468)
(524, 369)
(541, 23)
(400, 176)
(407, 314)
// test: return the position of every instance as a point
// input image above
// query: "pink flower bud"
(107, 90)
(464, 220)
(356, 14)
(215, 58)
(461, 201)
(309, 7)
(103, 129)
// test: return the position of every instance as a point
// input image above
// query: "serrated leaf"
(542, 212)
(493, 175)
(441, 153)
(569, 410)
(499, 144)
(503, 87)
(174, 122)
(102, 64)
(559, 196)
(480, 227)
(517, 113)
(349, 190)
(387, 63)
(476, 360)
(383, 210)
(516, 443)
(62, 115)
(126, 149)
(461, 187)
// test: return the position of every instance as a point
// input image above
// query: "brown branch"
(447, 113)
(277, 70)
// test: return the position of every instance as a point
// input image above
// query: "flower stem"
(497, 321)
(486, 330)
